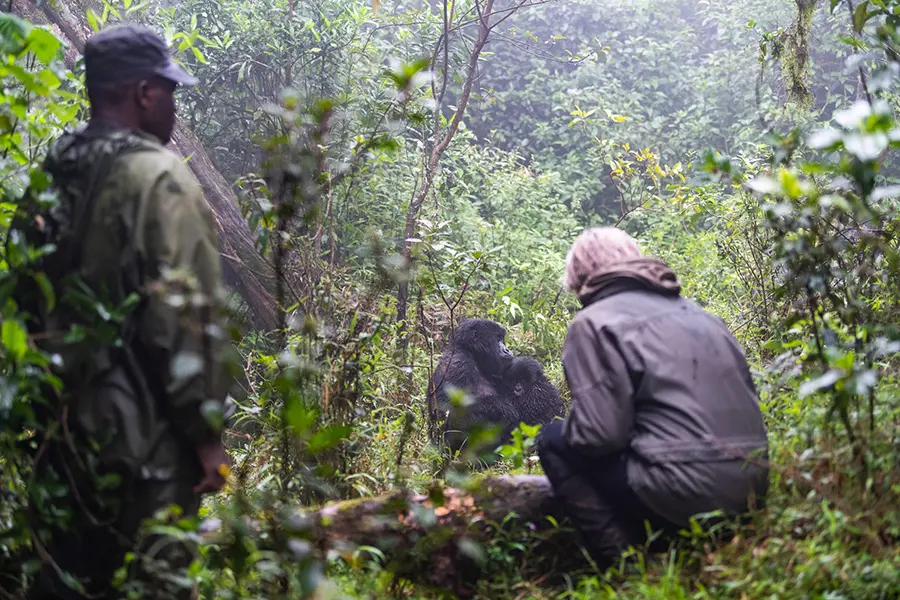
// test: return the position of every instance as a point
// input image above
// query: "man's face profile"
(155, 99)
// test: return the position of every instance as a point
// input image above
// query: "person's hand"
(215, 462)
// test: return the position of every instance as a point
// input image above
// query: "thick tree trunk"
(423, 540)
(244, 269)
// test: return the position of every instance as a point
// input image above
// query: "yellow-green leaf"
(198, 54)
(15, 341)
(43, 44)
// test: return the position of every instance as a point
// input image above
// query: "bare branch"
(863, 81)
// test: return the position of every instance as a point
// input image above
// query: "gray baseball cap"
(130, 52)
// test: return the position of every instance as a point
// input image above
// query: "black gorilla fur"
(505, 390)
(536, 399)
(475, 362)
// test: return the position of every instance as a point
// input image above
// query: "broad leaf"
(15, 340)
(43, 44)
(860, 16)
(328, 437)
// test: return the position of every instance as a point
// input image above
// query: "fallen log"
(433, 539)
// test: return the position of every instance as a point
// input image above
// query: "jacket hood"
(645, 273)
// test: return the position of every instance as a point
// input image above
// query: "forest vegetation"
(379, 170)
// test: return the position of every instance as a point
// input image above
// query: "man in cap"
(132, 228)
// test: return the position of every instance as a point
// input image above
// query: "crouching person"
(665, 421)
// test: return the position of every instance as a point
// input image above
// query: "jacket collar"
(645, 273)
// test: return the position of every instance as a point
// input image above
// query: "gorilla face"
(485, 340)
(523, 374)
(536, 399)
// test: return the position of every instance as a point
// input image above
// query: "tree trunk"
(424, 542)
(244, 269)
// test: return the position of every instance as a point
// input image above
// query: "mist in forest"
(560, 84)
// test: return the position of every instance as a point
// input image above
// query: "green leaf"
(43, 282)
(853, 42)
(864, 382)
(790, 184)
(889, 191)
(860, 16)
(13, 33)
(297, 416)
(72, 582)
(852, 116)
(76, 334)
(102, 312)
(328, 438)
(138, 7)
(198, 54)
(43, 44)
(28, 80)
(64, 113)
(14, 338)
(93, 19)
(49, 79)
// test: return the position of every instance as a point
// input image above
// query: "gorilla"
(475, 362)
(537, 400)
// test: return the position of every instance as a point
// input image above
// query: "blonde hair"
(593, 251)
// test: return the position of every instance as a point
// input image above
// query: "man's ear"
(142, 94)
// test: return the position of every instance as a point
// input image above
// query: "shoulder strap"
(70, 244)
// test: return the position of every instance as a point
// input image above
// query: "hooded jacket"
(655, 376)
(131, 221)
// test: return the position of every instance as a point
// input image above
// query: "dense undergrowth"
(580, 112)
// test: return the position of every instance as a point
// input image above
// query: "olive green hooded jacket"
(655, 376)
(146, 233)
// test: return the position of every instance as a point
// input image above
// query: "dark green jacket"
(148, 232)
(654, 375)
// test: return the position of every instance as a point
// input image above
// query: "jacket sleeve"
(181, 329)
(601, 419)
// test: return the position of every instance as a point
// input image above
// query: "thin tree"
(486, 17)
